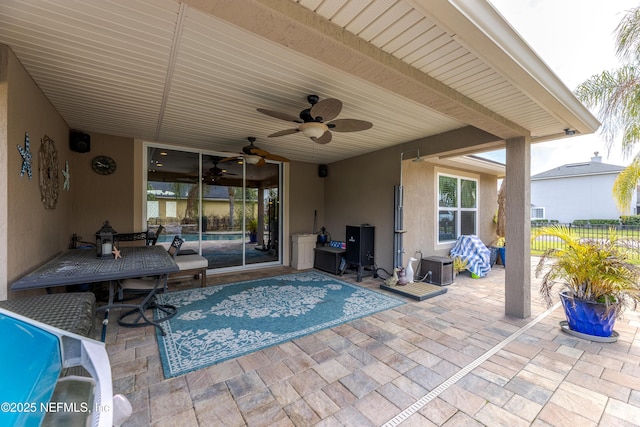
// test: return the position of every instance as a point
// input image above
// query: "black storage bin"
(328, 259)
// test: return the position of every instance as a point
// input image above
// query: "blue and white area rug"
(226, 321)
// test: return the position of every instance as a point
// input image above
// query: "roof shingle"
(579, 169)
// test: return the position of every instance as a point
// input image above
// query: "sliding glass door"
(225, 209)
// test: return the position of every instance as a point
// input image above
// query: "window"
(457, 207)
(537, 213)
(171, 209)
(153, 209)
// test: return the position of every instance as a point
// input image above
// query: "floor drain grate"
(419, 404)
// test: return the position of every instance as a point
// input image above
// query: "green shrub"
(544, 221)
(604, 221)
(630, 219)
(588, 222)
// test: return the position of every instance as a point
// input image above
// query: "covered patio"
(444, 77)
(454, 359)
(439, 79)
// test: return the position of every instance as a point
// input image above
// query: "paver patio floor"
(451, 360)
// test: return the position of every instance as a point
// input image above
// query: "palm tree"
(616, 95)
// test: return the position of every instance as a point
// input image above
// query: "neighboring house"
(169, 201)
(576, 191)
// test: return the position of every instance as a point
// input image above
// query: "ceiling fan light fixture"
(252, 159)
(313, 129)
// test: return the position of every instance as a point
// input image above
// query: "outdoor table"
(79, 266)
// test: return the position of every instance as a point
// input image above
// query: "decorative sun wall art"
(48, 168)
(26, 157)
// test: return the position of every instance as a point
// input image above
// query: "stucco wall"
(361, 190)
(420, 208)
(4, 170)
(96, 197)
(306, 198)
(33, 233)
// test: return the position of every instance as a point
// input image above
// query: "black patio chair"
(152, 237)
(148, 286)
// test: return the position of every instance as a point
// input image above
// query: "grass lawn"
(631, 234)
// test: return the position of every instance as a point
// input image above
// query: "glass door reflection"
(232, 218)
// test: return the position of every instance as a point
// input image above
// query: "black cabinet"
(360, 244)
(360, 248)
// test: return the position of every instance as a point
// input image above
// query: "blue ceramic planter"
(587, 317)
(503, 255)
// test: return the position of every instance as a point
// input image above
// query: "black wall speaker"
(79, 142)
(323, 171)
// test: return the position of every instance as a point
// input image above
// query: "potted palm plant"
(502, 250)
(252, 227)
(598, 282)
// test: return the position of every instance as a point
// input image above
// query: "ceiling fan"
(215, 173)
(318, 121)
(254, 155)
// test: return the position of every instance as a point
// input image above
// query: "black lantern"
(105, 240)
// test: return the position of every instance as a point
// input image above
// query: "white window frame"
(171, 206)
(153, 209)
(536, 208)
(457, 209)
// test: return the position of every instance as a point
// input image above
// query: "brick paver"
(366, 372)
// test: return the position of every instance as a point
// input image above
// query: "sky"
(575, 38)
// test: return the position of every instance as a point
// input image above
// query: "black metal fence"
(630, 234)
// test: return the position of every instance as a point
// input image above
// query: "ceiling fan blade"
(228, 159)
(284, 132)
(349, 125)
(324, 139)
(276, 158)
(328, 109)
(252, 150)
(281, 116)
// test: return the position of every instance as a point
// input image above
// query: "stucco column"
(518, 232)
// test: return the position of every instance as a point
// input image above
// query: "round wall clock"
(104, 165)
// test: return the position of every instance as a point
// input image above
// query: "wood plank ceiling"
(193, 73)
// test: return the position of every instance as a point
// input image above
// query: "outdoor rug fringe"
(226, 321)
